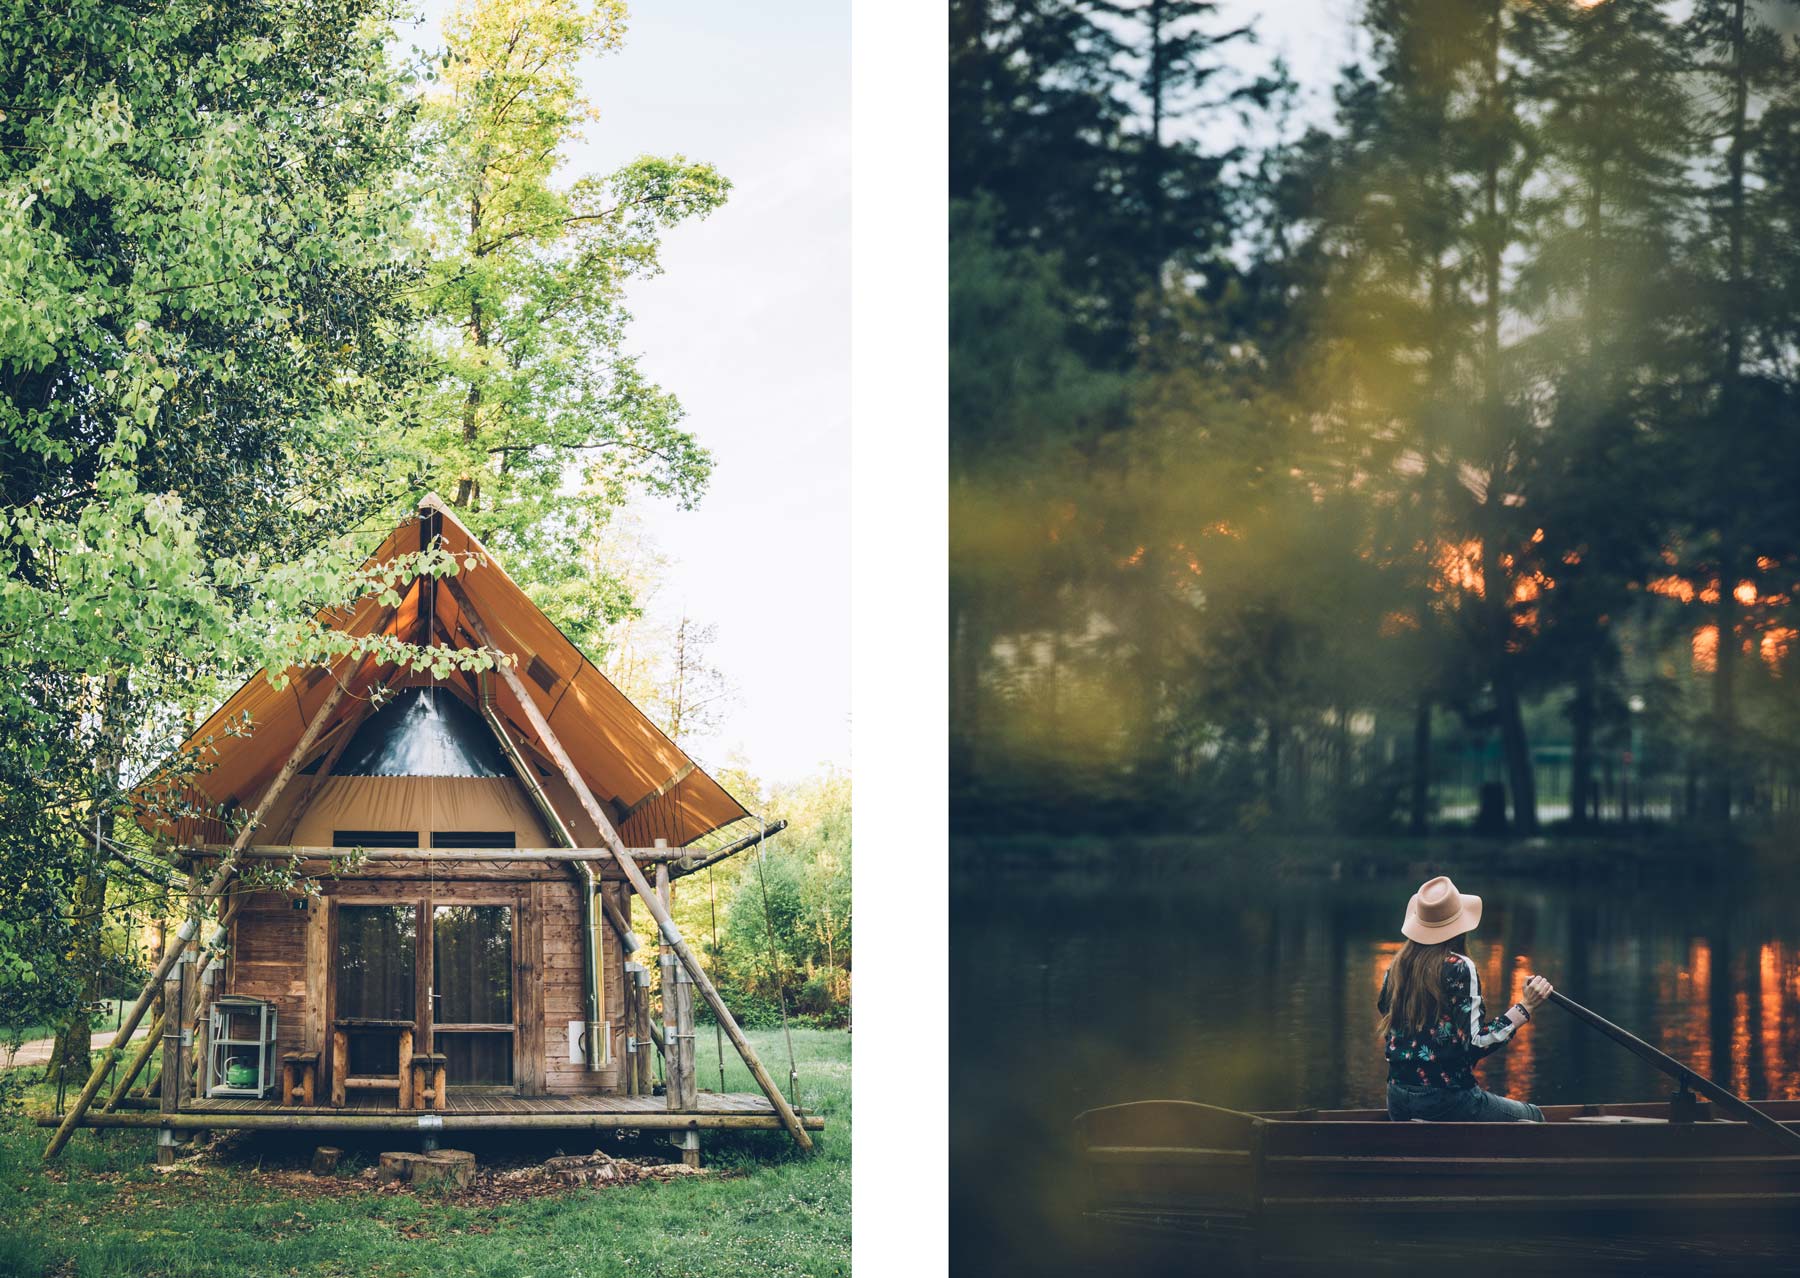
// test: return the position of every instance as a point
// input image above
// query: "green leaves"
(540, 425)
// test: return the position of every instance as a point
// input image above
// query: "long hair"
(1412, 996)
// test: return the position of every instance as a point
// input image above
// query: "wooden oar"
(1729, 1101)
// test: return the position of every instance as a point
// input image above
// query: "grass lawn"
(102, 1210)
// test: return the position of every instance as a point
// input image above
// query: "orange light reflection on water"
(1521, 1051)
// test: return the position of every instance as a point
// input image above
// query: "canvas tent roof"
(652, 788)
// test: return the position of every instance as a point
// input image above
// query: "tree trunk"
(1581, 756)
(1421, 769)
(1722, 763)
(1520, 778)
(1724, 707)
(1272, 765)
(69, 1055)
(468, 488)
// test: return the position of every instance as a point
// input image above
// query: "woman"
(1432, 1020)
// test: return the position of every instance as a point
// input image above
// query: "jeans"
(1456, 1105)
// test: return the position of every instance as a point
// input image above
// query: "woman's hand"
(1537, 989)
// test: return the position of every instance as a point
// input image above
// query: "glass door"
(376, 998)
(471, 991)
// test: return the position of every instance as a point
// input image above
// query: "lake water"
(1087, 989)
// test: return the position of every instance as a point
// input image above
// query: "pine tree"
(1600, 291)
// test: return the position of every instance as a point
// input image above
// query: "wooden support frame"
(190, 929)
(139, 1059)
(670, 933)
(688, 866)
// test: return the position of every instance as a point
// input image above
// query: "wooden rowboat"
(1182, 1168)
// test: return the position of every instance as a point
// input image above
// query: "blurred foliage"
(1452, 428)
(777, 924)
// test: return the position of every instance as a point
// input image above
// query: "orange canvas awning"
(652, 788)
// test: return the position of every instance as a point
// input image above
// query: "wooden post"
(671, 935)
(191, 928)
(174, 994)
(628, 1018)
(202, 1018)
(678, 1014)
(174, 1063)
(140, 1058)
(340, 1066)
(646, 1046)
(673, 1047)
(406, 1069)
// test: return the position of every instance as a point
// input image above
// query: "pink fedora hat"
(1438, 912)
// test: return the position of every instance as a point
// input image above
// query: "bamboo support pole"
(686, 867)
(601, 1120)
(670, 933)
(140, 1058)
(190, 929)
(628, 939)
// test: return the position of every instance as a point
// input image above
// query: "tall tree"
(1601, 290)
(1182, 205)
(205, 357)
(544, 423)
(1744, 261)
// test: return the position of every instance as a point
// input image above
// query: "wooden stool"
(428, 1071)
(299, 1077)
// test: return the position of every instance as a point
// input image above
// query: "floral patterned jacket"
(1444, 1055)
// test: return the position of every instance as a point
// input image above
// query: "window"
(374, 838)
(377, 948)
(473, 839)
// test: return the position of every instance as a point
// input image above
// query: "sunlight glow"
(1706, 649)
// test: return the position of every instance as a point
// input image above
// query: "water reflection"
(1077, 993)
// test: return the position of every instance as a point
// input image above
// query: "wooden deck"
(477, 1102)
(467, 1111)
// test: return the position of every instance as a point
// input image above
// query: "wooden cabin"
(456, 953)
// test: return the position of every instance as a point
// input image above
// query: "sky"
(749, 327)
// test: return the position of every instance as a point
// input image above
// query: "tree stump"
(454, 1167)
(451, 1167)
(582, 1169)
(325, 1160)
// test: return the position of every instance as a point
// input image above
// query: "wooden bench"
(300, 1078)
(428, 1079)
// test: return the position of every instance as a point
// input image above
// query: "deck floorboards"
(495, 1103)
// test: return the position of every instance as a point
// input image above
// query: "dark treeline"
(1438, 462)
